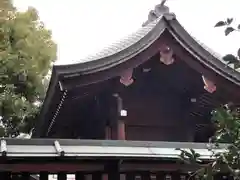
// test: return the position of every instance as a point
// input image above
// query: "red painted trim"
(121, 130)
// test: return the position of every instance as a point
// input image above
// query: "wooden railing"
(140, 175)
(96, 160)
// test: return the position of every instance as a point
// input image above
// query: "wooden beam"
(49, 167)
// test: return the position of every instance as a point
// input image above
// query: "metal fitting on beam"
(3, 147)
(58, 148)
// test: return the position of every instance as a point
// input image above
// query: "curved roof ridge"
(119, 45)
(210, 50)
(163, 9)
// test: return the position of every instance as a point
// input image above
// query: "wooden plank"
(53, 167)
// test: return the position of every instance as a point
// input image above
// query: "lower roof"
(86, 149)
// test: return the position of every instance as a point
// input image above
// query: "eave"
(153, 31)
(131, 52)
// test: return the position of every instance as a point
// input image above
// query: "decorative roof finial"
(159, 10)
(163, 2)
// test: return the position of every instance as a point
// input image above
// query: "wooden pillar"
(5, 175)
(108, 134)
(79, 176)
(118, 127)
(62, 176)
(97, 176)
(113, 170)
(145, 175)
(43, 175)
(130, 176)
(160, 176)
(121, 125)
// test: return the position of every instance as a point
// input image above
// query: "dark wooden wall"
(159, 101)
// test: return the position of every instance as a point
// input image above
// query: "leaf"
(229, 21)
(220, 23)
(214, 164)
(25, 46)
(230, 58)
(228, 30)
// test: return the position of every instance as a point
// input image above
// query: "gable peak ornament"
(126, 77)
(166, 55)
(209, 86)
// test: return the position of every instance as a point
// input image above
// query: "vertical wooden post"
(79, 176)
(121, 128)
(118, 132)
(107, 132)
(62, 176)
(97, 176)
(43, 175)
(130, 176)
(145, 175)
(160, 175)
(113, 170)
(5, 175)
(176, 176)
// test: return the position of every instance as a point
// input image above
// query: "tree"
(26, 56)
(227, 121)
(230, 58)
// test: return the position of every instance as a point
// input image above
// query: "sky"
(83, 27)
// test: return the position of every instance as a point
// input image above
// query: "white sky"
(82, 27)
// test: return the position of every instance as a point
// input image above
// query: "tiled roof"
(121, 44)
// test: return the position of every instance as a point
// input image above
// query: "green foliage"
(229, 58)
(26, 55)
(227, 120)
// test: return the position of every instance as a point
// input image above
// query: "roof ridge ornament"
(159, 10)
(163, 2)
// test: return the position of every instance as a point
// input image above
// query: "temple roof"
(161, 27)
(159, 20)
